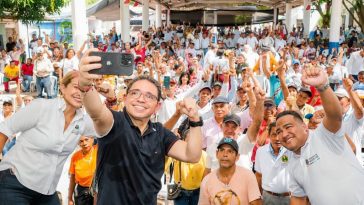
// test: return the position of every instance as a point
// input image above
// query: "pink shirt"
(243, 187)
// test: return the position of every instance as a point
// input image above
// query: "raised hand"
(189, 107)
(247, 85)
(88, 63)
(280, 68)
(206, 75)
(259, 94)
(291, 100)
(348, 84)
(314, 76)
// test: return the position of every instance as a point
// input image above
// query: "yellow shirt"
(272, 63)
(83, 167)
(191, 173)
(11, 72)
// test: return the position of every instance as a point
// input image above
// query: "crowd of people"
(233, 115)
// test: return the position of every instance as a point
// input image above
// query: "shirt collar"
(149, 130)
(271, 151)
(62, 107)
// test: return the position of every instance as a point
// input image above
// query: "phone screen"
(167, 81)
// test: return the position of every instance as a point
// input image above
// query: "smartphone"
(167, 82)
(344, 75)
(114, 63)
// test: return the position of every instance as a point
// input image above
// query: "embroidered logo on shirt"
(284, 158)
(312, 160)
(76, 130)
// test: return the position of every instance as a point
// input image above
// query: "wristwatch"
(323, 88)
(196, 124)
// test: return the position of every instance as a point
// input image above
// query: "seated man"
(11, 73)
(229, 184)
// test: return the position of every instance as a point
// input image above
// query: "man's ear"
(237, 157)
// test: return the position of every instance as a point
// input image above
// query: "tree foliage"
(29, 11)
(354, 7)
(356, 11)
(324, 13)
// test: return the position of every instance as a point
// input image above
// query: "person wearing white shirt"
(231, 129)
(197, 44)
(291, 38)
(323, 168)
(168, 35)
(353, 115)
(252, 41)
(229, 43)
(42, 70)
(251, 56)
(168, 106)
(241, 40)
(280, 43)
(210, 56)
(50, 130)
(70, 62)
(271, 164)
(212, 127)
(355, 63)
(205, 43)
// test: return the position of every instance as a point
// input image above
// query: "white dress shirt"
(43, 146)
(355, 63)
(43, 67)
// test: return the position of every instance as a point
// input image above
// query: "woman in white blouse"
(70, 62)
(50, 130)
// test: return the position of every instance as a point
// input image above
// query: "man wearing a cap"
(353, 117)
(217, 89)
(212, 126)
(42, 70)
(8, 110)
(229, 184)
(302, 98)
(204, 103)
(323, 169)
(231, 128)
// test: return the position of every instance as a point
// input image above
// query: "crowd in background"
(219, 67)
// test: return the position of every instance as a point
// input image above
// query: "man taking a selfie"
(132, 149)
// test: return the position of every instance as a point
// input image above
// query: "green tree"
(324, 13)
(356, 11)
(29, 11)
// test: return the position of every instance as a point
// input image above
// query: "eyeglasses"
(135, 94)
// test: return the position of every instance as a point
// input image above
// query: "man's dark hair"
(270, 127)
(147, 78)
(290, 112)
(220, 52)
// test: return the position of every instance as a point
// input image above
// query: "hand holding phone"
(114, 63)
(167, 82)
